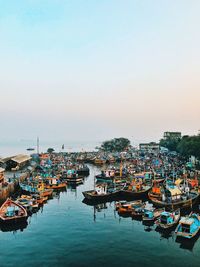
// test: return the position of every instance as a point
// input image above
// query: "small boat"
(189, 226)
(151, 215)
(11, 211)
(168, 220)
(128, 207)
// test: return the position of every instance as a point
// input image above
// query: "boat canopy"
(174, 191)
(165, 213)
(186, 220)
(178, 181)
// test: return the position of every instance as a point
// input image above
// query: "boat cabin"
(173, 194)
(187, 225)
(53, 181)
(101, 189)
(149, 214)
(166, 218)
(12, 211)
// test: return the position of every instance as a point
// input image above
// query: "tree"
(170, 143)
(115, 145)
(189, 146)
(50, 150)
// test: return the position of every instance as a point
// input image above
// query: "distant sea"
(9, 148)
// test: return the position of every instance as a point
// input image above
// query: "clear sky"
(97, 69)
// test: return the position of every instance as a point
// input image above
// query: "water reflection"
(187, 244)
(13, 227)
(148, 228)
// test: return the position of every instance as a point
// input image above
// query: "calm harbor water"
(67, 232)
(13, 147)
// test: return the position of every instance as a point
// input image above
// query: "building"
(172, 135)
(151, 147)
(1, 175)
(15, 162)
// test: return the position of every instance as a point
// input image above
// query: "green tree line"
(187, 145)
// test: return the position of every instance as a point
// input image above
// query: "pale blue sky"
(92, 70)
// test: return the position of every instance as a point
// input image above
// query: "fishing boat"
(100, 193)
(137, 213)
(168, 220)
(126, 208)
(25, 203)
(176, 199)
(99, 161)
(11, 212)
(40, 199)
(151, 215)
(106, 176)
(43, 192)
(155, 191)
(83, 170)
(28, 187)
(38, 188)
(73, 177)
(46, 193)
(188, 227)
(74, 180)
(28, 200)
(136, 190)
(55, 183)
(103, 178)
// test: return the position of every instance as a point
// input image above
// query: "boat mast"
(38, 145)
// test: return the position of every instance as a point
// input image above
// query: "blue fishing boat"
(30, 188)
(188, 226)
(151, 214)
(168, 220)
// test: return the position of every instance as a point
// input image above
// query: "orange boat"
(58, 186)
(55, 183)
(46, 193)
(40, 200)
(43, 192)
(126, 208)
